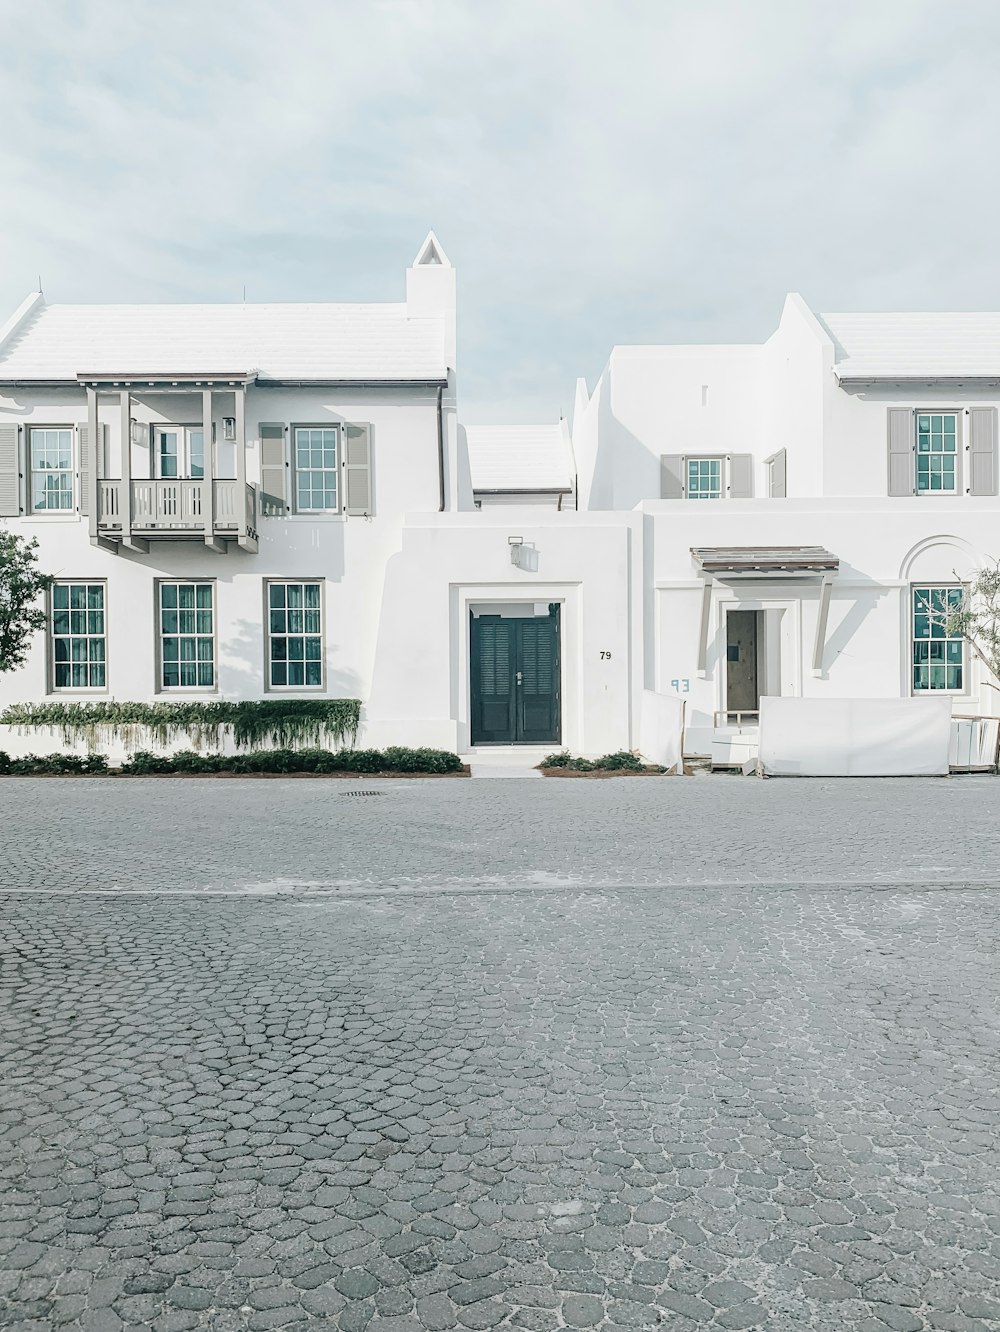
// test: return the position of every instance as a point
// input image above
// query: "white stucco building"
(254, 501)
(809, 506)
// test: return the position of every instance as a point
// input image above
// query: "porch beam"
(93, 483)
(217, 544)
(208, 449)
(822, 616)
(139, 544)
(126, 467)
(706, 615)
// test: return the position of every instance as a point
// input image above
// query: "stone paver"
(585, 1106)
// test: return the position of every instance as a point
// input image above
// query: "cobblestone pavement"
(593, 1106)
(288, 835)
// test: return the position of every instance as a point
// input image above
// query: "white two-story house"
(811, 507)
(275, 501)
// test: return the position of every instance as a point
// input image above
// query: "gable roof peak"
(431, 254)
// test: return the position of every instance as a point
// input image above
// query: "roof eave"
(868, 378)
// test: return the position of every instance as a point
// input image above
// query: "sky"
(599, 173)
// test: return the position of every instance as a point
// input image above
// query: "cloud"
(639, 172)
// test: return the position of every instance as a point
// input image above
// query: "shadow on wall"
(243, 667)
(626, 472)
(864, 601)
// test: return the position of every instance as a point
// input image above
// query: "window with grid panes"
(295, 635)
(316, 461)
(937, 451)
(79, 642)
(187, 636)
(938, 658)
(51, 451)
(704, 478)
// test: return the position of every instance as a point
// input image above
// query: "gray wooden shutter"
(10, 473)
(357, 469)
(86, 461)
(741, 476)
(273, 471)
(982, 450)
(673, 468)
(778, 479)
(901, 468)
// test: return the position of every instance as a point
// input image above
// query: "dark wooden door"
(742, 690)
(515, 679)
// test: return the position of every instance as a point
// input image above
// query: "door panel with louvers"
(492, 680)
(538, 687)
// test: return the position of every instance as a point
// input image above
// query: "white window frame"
(917, 455)
(69, 471)
(87, 636)
(964, 688)
(696, 458)
(334, 471)
(161, 634)
(184, 451)
(270, 636)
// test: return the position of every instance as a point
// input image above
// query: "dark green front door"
(515, 679)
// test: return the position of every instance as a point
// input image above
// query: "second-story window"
(937, 452)
(316, 450)
(180, 452)
(51, 450)
(704, 478)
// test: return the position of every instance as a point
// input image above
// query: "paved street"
(620, 1054)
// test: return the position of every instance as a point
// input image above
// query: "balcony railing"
(177, 508)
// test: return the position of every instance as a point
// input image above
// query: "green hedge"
(259, 760)
(623, 761)
(35, 764)
(298, 760)
(273, 721)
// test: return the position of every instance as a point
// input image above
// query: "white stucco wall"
(884, 546)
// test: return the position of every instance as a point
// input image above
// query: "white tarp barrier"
(661, 729)
(855, 737)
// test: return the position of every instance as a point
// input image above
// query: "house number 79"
(605, 656)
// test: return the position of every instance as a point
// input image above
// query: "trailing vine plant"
(281, 723)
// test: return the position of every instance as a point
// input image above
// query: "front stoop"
(506, 761)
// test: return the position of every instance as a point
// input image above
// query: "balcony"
(175, 509)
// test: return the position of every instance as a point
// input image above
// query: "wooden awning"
(720, 561)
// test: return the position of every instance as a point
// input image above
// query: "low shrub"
(297, 760)
(622, 761)
(40, 765)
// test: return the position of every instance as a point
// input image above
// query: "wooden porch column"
(208, 485)
(93, 482)
(126, 467)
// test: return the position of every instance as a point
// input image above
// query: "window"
(79, 643)
(937, 452)
(180, 452)
(704, 478)
(187, 636)
(938, 659)
(51, 468)
(315, 468)
(295, 635)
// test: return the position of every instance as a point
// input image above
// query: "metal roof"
(286, 342)
(525, 459)
(930, 346)
(723, 560)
